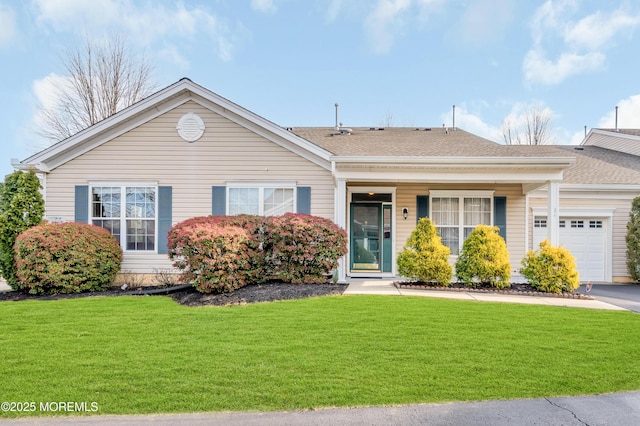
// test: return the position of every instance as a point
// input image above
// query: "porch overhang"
(530, 172)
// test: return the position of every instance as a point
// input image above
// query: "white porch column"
(340, 218)
(553, 213)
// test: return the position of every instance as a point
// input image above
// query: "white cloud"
(172, 55)
(598, 30)
(486, 20)
(48, 89)
(264, 6)
(384, 22)
(628, 114)
(550, 17)
(47, 92)
(578, 45)
(145, 25)
(81, 15)
(471, 122)
(539, 69)
(7, 25)
(334, 9)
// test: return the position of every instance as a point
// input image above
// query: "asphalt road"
(611, 410)
(624, 295)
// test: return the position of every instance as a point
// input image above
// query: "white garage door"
(585, 238)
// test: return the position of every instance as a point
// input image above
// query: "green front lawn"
(151, 355)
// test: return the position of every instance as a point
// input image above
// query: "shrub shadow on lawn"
(253, 293)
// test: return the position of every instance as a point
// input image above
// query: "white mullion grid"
(261, 200)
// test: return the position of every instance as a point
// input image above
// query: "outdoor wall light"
(405, 212)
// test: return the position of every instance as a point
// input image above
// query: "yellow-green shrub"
(551, 269)
(484, 259)
(424, 257)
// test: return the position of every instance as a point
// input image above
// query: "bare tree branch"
(534, 129)
(102, 79)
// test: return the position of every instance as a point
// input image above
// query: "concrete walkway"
(386, 287)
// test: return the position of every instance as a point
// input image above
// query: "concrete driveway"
(626, 296)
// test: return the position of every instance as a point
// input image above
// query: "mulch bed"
(268, 292)
(273, 291)
(516, 289)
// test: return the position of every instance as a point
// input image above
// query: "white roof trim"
(158, 103)
(608, 133)
(545, 162)
(611, 187)
(577, 212)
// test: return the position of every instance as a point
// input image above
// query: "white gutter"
(480, 161)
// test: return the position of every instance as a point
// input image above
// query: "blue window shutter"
(422, 207)
(164, 217)
(81, 213)
(500, 215)
(218, 200)
(304, 200)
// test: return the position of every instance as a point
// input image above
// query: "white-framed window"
(265, 200)
(456, 213)
(129, 212)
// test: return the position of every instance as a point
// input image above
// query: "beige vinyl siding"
(621, 206)
(154, 152)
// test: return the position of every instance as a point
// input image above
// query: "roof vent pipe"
(337, 126)
(454, 118)
(616, 118)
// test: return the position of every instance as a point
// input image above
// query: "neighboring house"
(185, 151)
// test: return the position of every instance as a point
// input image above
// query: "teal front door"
(370, 237)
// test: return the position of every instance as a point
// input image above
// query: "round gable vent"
(190, 127)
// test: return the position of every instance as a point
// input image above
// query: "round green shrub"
(551, 269)
(484, 259)
(424, 257)
(66, 258)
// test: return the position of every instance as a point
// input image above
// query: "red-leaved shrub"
(66, 258)
(212, 254)
(223, 253)
(253, 267)
(305, 248)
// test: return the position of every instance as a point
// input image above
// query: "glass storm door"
(371, 237)
(366, 237)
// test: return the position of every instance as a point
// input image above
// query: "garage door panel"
(585, 238)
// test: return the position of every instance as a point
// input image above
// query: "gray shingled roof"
(594, 165)
(410, 142)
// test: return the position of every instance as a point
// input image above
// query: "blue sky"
(386, 62)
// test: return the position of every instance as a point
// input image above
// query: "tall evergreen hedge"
(21, 207)
(633, 240)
